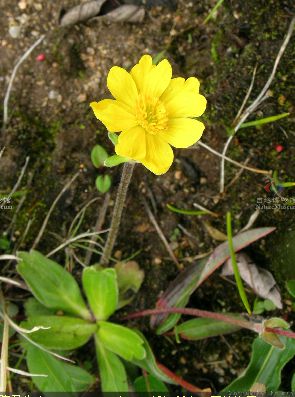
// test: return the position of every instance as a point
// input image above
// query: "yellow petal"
(113, 115)
(158, 79)
(179, 84)
(192, 84)
(175, 86)
(183, 132)
(132, 143)
(159, 155)
(186, 104)
(140, 71)
(122, 86)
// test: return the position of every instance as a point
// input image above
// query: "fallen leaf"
(260, 280)
(215, 233)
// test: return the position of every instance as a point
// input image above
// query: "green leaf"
(213, 12)
(61, 376)
(263, 305)
(149, 363)
(64, 333)
(287, 184)
(51, 284)
(265, 120)
(113, 137)
(291, 287)
(180, 290)
(33, 308)
(101, 289)
(186, 212)
(265, 366)
(130, 278)
(121, 340)
(146, 384)
(293, 382)
(98, 156)
(4, 244)
(112, 372)
(202, 328)
(103, 183)
(115, 160)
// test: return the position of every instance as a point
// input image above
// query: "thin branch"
(260, 98)
(43, 227)
(200, 207)
(20, 204)
(23, 334)
(79, 218)
(12, 282)
(16, 186)
(160, 233)
(7, 257)
(7, 95)
(252, 169)
(251, 221)
(247, 95)
(98, 226)
(238, 174)
(73, 239)
(25, 373)
(4, 353)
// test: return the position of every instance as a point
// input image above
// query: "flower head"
(151, 111)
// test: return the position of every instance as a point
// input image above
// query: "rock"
(22, 4)
(53, 94)
(15, 31)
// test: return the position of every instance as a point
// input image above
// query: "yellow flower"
(151, 111)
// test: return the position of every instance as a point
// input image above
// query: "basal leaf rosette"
(152, 112)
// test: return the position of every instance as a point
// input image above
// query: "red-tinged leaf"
(180, 290)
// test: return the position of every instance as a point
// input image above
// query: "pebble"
(38, 6)
(22, 4)
(157, 261)
(53, 94)
(81, 98)
(14, 31)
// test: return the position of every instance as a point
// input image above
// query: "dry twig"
(43, 227)
(160, 233)
(7, 95)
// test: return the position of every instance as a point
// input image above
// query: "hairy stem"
(119, 205)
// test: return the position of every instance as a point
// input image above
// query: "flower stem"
(119, 205)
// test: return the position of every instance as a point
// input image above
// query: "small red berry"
(40, 58)
(279, 148)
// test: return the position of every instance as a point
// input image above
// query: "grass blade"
(234, 263)
(265, 120)
(186, 212)
(214, 9)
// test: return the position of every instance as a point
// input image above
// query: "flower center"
(151, 114)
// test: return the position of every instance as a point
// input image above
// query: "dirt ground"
(52, 123)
